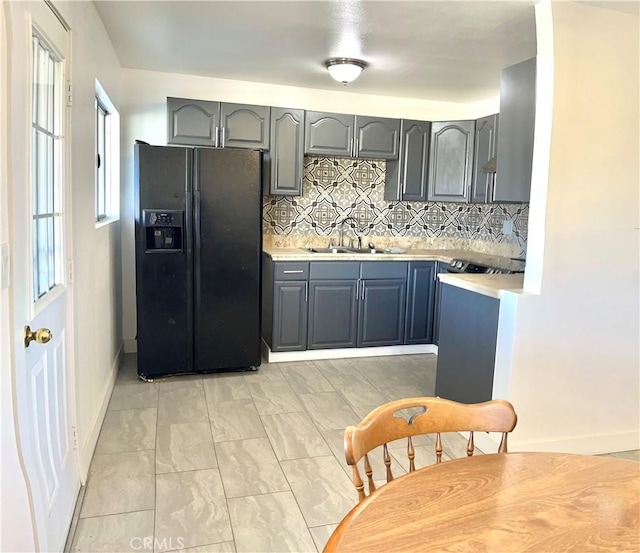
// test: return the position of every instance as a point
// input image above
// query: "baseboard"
(130, 346)
(344, 353)
(593, 444)
(89, 445)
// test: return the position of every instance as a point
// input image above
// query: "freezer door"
(164, 290)
(228, 248)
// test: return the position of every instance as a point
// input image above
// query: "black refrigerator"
(198, 235)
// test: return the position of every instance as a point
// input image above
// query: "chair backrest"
(430, 416)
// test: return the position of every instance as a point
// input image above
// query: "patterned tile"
(335, 188)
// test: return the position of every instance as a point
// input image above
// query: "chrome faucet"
(341, 229)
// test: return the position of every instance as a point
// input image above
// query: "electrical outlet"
(4, 266)
(507, 227)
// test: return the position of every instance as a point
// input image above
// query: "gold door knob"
(42, 335)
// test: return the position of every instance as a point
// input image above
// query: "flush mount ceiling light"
(345, 70)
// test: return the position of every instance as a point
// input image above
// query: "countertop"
(302, 254)
(487, 285)
(493, 285)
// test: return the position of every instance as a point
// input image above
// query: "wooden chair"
(431, 416)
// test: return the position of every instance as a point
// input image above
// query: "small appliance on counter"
(464, 266)
(198, 259)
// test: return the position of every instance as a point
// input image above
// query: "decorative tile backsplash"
(335, 188)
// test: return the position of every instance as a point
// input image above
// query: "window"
(103, 134)
(107, 152)
(47, 168)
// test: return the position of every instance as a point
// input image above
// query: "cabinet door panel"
(484, 149)
(450, 165)
(192, 122)
(420, 303)
(414, 163)
(332, 314)
(515, 140)
(377, 137)
(286, 155)
(290, 316)
(245, 126)
(381, 313)
(328, 133)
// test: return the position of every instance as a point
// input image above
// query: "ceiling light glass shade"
(345, 70)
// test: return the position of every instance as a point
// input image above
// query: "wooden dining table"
(507, 502)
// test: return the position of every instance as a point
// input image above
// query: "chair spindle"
(369, 471)
(503, 443)
(358, 483)
(387, 462)
(470, 445)
(438, 448)
(411, 453)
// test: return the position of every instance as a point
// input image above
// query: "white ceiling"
(447, 50)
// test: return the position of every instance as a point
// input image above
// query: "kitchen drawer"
(335, 270)
(384, 269)
(295, 270)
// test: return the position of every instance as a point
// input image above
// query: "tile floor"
(243, 462)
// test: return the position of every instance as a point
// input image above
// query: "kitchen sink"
(339, 249)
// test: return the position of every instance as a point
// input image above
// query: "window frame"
(111, 163)
(102, 160)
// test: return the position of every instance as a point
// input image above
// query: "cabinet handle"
(404, 188)
(292, 272)
(306, 292)
(355, 147)
(222, 139)
(362, 296)
(492, 184)
(217, 136)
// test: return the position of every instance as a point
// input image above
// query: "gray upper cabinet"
(451, 161)
(406, 178)
(244, 126)
(286, 157)
(328, 133)
(192, 122)
(515, 139)
(376, 137)
(338, 134)
(486, 146)
(215, 124)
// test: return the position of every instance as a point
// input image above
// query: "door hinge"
(69, 93)
(75, 437)
(70, 272)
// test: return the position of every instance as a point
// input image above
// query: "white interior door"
(43, 374)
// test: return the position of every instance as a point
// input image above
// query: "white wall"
(144, 96)
(97, 269)
(575, 378)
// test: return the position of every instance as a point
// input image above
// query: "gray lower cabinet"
(217, 124)
(406, 178)
(451, 161)
(467, 345)
(515, 139)
(381, 312)
(485, 148)
(440, 268)
(421, 295)
(285, 293)
(286, 157)
(332, 314)
(338, 134)
(290, 316)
